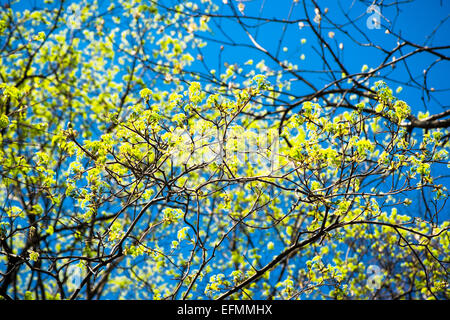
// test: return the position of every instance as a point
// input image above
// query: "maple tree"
(131, 168)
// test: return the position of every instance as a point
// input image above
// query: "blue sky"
(415, 22)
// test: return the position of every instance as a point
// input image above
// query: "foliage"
(124, 160)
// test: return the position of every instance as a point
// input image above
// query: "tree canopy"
(171, 149)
